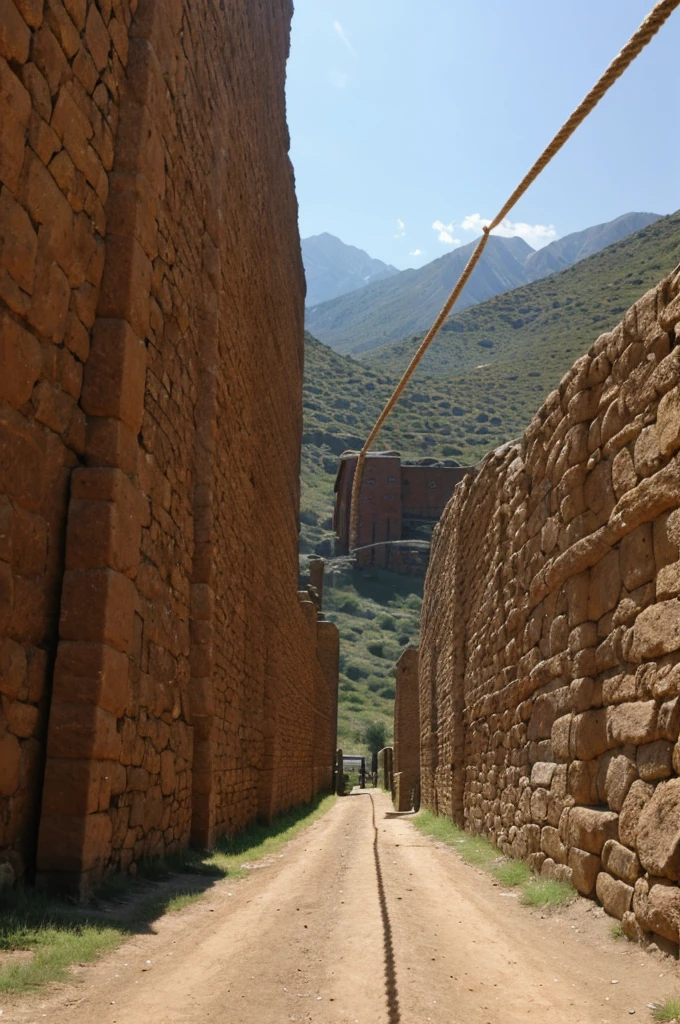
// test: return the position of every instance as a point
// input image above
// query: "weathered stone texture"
(151, 325)
(550, 641)
(406, 757)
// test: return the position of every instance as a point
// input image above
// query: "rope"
(648, 29)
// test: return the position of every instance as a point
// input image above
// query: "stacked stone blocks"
(406, 747)
(148, 523)
(550, 653)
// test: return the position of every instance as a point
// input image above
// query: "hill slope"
(564, 252)
(388, 311)
(333, 268)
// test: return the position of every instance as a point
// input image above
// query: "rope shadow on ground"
(391, 992)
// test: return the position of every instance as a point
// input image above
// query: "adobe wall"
(406, 746)
(550, 650)
(150, 282)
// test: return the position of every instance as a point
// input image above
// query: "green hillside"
(485, 376)
(550, 322)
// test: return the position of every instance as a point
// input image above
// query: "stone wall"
(550, 653)
(155, 660)
(406, 747)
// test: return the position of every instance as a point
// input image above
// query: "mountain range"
(479, 385)
(333, 268)
(389, 309)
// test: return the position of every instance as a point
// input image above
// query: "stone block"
(629, 819)
(621, 773)
(559, 738)
(631, 928)
(646, 453)
(605, 586)
(657, 908)
(556, 872)
(539, 805)
(18, 242)
(668, 422)
(654, 760)
(12, 668)
(658, 831)
(23, 720)
(668, 581)
(72, 844)
(15, 103)
(619, 688)
(657, 630)
(589, 828)
(82, 731)
(633, 723)
(589, 736)
(103, 534)
(624, 477)
(669, 714)
(585, 868)
(73, 788)
(582, 781)
(542, 773)
(115, 374)
(92, 673)
(618, 860)
(98, 606)
(97, 38)
(10, 764)
(637, 557)
(126, 284)
(111, 443)
(615, 896)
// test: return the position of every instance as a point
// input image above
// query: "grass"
(544, 892)
(57, 933)
(668, 1010)
(616, 931)
(479, 852)
(377, 616)
(54, 932)
(512, 873)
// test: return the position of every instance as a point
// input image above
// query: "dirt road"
(363, 921)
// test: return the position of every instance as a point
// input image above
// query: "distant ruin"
(550, 642)
(397, 502)
(156, 667)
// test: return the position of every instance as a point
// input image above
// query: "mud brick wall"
(406, 748)
(154, 657)
(550, 653)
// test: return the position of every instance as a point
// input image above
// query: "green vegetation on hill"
(377, 616)
(483, 379)
(543, 327)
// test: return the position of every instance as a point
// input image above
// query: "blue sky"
(406, 114)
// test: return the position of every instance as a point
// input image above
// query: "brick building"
(398, 501)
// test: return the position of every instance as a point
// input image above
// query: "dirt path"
(363, 921)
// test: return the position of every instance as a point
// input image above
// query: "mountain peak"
(333, 268)
(400, 303)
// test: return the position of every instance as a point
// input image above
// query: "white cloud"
(445, 233)
(417, 252)
(339, 30)
(401, 228)
(535, 235)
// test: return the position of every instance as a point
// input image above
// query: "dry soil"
(361, 920)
